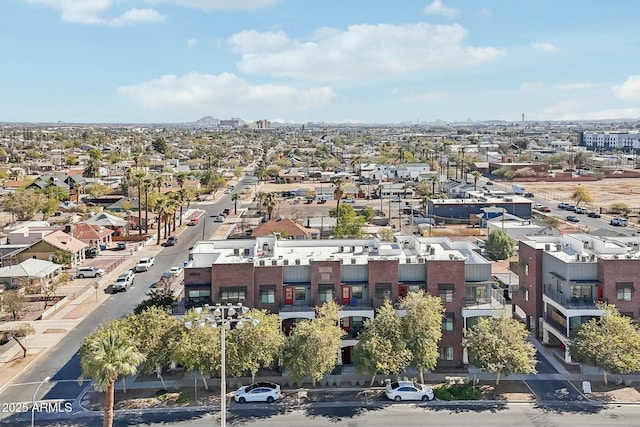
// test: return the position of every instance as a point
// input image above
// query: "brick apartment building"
(291, 277)
(561, 278)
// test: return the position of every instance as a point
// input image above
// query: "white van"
(83, 272)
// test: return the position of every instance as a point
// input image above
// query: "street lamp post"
(33, 401)
(223, 316)
(204, 225)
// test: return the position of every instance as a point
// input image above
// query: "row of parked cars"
(395, 390)
(578, 210)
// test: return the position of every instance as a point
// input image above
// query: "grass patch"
(182, 399)
(456, 392)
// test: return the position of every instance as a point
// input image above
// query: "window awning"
(557, 276)
(625, 285)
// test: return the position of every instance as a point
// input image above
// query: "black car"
(528, 195)
(593, 214)
(91, 253)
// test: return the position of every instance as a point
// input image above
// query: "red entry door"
(403, 291)
(288, 295)
(600, 293)
(346, 295)
(346, 324)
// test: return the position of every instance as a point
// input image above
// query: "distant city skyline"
(171, 61)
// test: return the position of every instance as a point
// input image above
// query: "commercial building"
(291, 277)
(627, 142)
(562, 278)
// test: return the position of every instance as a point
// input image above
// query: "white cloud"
(573, 86)
(224, 93)
(531, 86)
(629, 90)
(191, 43)
(438, 8)
(544, 47)
(94, 12)
(359, 51)
(227, 5)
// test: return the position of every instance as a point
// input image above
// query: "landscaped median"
(185, 396)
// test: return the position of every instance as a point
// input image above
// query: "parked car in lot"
(408, 390)
(90, 253)
(171, 241)
(593, 214)
(619, 222)
(349, 200)
(573, 218)
(123, 281)
(83, 272)
(258, 392)
(144, 264)
(321, 201)
(193, 221)
(121, 246)
(173, 272)
(581, 211)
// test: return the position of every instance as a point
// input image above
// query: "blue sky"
(369, 61)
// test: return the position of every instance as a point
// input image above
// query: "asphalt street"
(62, 363)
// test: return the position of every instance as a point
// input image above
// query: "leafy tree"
(422, 327)
(62, 257)
(582, 194)
(423, 188)
(499, 245)
(381, 347)
(348, 224)
(25, 204)
(386, 235)
(153, 329)
(273, 171)
(50, 205)
(500, 346)
(368, 213)
(255, 345)
(13, 302)
(620, 208)
(505, 171)
(156, 298)
(312, 348)
(96, 190)
(197, 348)
(610, 342)
(105, 355)
(160, 145)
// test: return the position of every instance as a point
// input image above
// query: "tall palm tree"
(160, 180)
(434, 179)
(174, 206)
(181, 177)
(271, 202)
(161, 210)
(476, 175)
(105, 355)
(183, 196)
(139, 176)
(128, 177)
(147, 183)
(234, 198)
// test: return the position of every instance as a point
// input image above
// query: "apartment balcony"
(571, 305)
(556, 325)
(357, 308)
(301, 309)
(492, 305)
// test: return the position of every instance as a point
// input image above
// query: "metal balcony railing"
(494, 300)
(569, 301)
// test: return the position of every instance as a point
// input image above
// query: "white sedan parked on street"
(173, 272)
(408, 390)
(258, 392)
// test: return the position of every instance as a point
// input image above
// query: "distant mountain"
(208, 120)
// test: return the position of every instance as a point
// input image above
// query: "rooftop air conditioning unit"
(353, 260)
(261, 262)
(629, 256)
(365, 249)
(547, 247)
(251, 259)
(297, 262)
(420, 260)
(274, 262)
(615, 257)
(432, 250)
(285, 262)
(236, 251)
(247, 251)
(340, 249)
(452, 256)
(409, 261)
(353, 248)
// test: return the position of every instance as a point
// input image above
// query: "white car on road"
(144, 264)
(258, 392)
(174, 272)
(408, 390)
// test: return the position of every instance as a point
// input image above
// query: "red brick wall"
(531, 257)
(450, 272)
(232, 275)
(611, 271)
(324, 272)
(383, 271)
(271, 275)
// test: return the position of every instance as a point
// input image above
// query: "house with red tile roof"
(287, 229)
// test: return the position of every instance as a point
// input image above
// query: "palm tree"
(160, 182)
(161, 210)
(139, 176)
(147, 183)
(434, 179)
(183, 195)
(181, 177)
(128, 177)
(105, 355)
(271, 202)
(234, 198)
(476, 175)
(174, 205)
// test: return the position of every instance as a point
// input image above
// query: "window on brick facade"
(325, 293)
(267, 294)
(624, 291)
(233, 296)
(446, 295)
(383, 290)
(446, 353)
(448, 321)
(300, 293)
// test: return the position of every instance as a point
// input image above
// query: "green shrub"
(456, 392)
